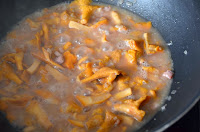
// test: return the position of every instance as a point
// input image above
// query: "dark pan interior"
(177, 20)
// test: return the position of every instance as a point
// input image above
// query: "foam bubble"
(143, 74)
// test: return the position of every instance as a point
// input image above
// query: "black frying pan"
(177, 20)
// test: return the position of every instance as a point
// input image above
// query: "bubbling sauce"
(81, 67)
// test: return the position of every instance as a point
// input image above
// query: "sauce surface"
(83, 67)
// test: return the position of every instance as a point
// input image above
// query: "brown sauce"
(83, 67)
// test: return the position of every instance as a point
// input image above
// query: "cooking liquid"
(65, 91)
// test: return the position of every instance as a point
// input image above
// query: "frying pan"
(179, 23)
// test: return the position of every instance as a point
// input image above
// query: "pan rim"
(178, 117)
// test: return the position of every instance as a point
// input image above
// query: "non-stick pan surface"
(179, 23)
